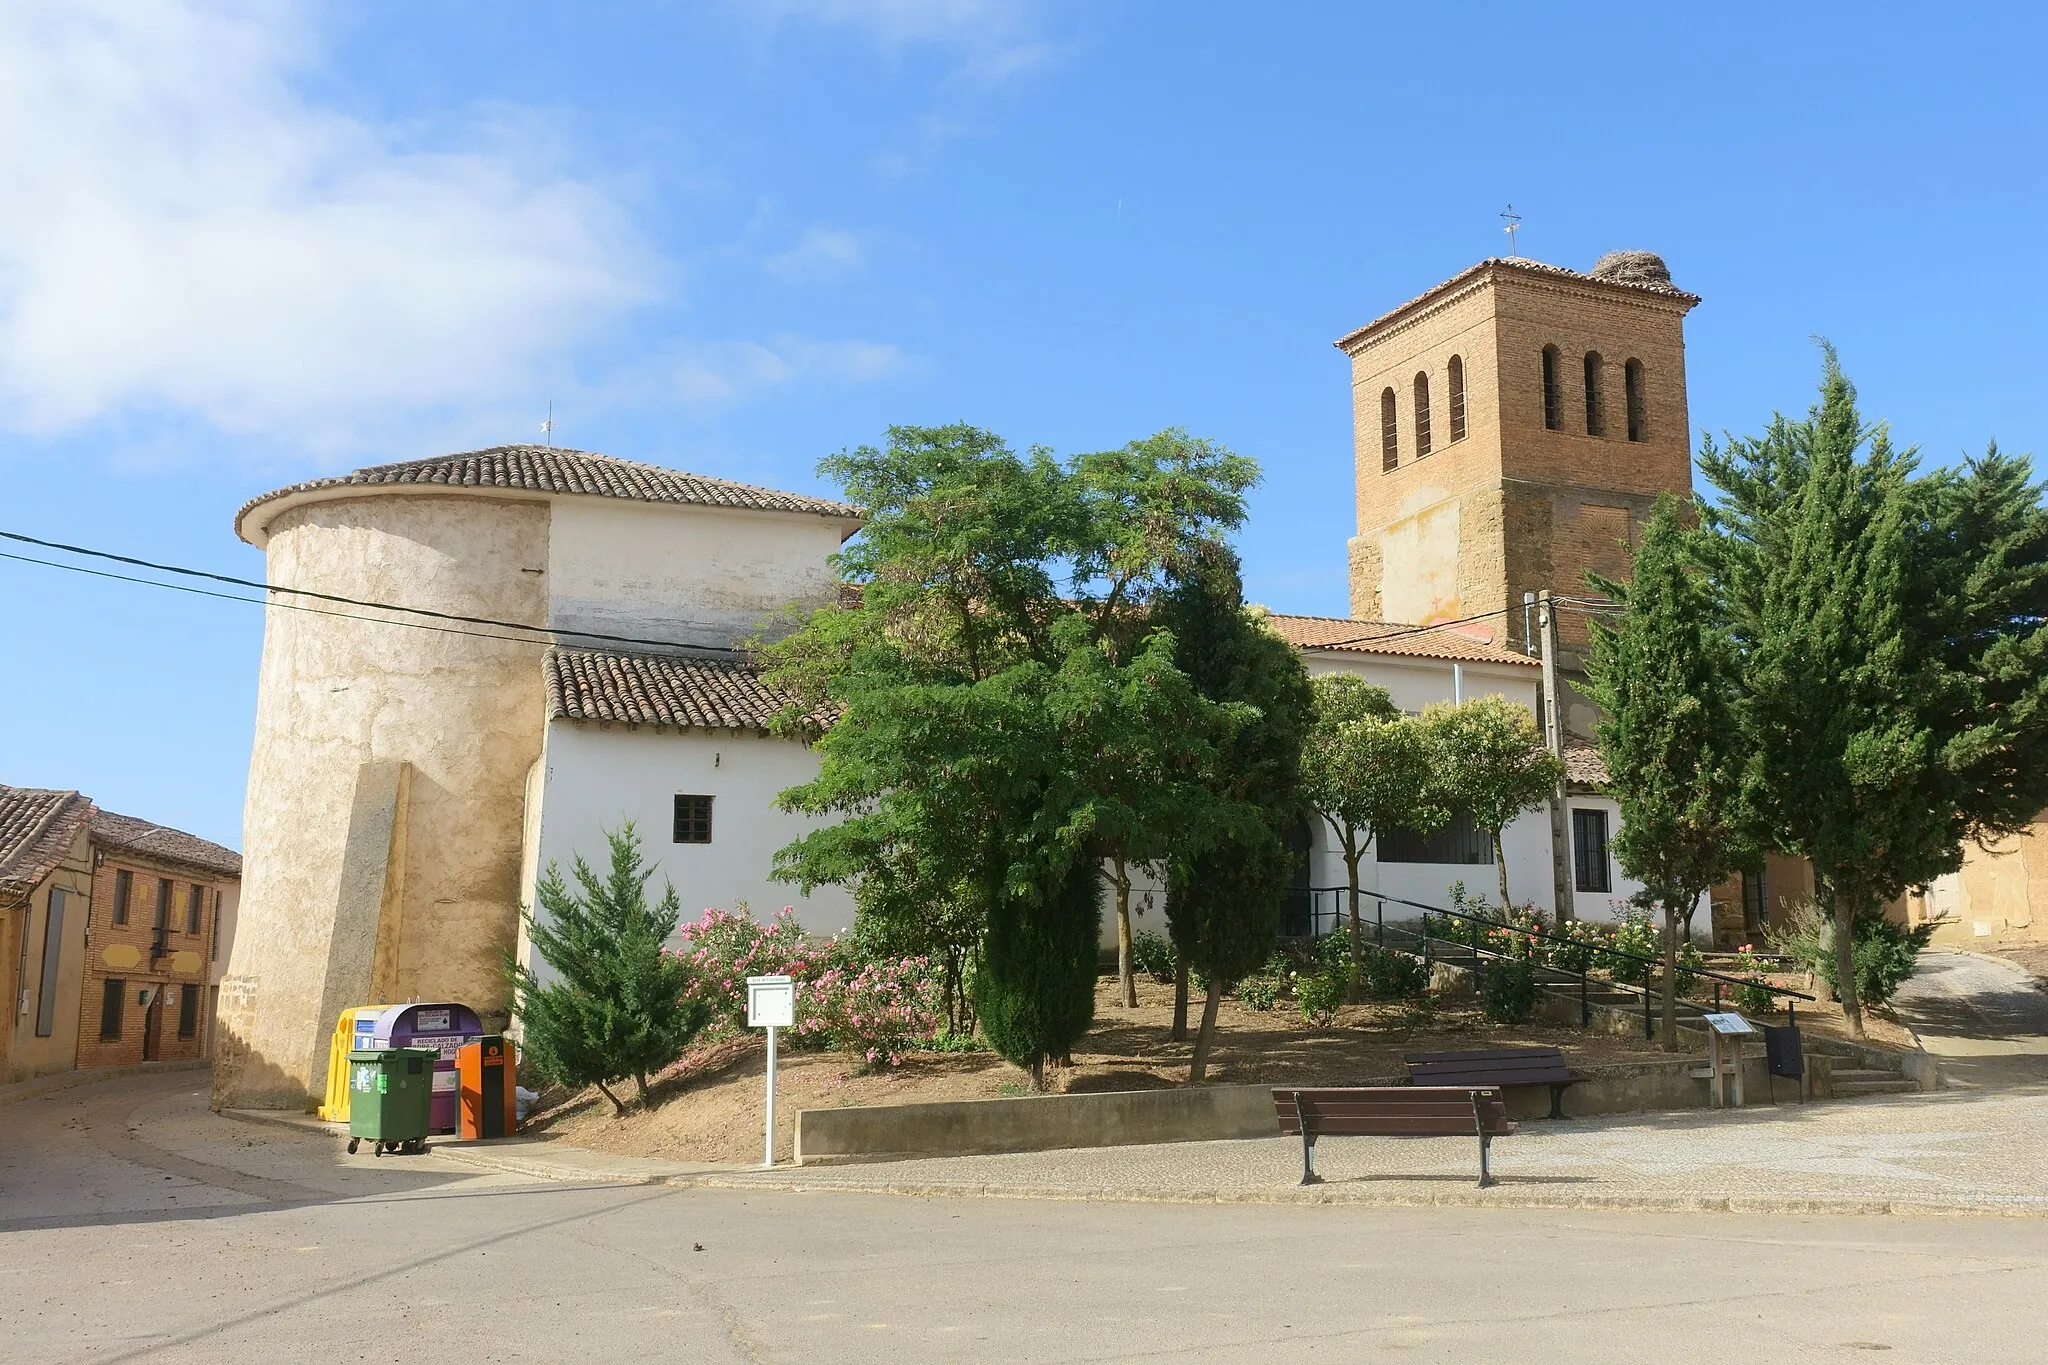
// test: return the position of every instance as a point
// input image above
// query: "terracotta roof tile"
(148, 840)
(1387, 637)
(551, 469)
(1522, 264)
(685, 692)
(1583, 765)
(37, 826)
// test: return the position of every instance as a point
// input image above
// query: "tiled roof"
(1524, 265)
(1387, 637)
(1583, 765)
(681, 691)
(550, 469)
(37, 826)
(147, 840)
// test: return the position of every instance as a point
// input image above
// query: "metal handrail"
(1559, 938)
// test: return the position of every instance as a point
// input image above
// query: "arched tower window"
(1457, 399)
(1421, 413)
(1596, 416)
(1632, 383)
(1553, 410)
(1390, 433)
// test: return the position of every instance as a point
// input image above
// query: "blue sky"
(249, 243)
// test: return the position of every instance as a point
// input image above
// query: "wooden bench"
(1501, 1066)
(1393, 1111)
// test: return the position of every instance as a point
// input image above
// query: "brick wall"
(125, 953)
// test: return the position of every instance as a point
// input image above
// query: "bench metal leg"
(1557, 1101)
(1308, 1145)
(1479, 1127)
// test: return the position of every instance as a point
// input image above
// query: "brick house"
(45, 889)
(159, 898)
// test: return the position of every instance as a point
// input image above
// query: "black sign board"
(1782, 1050)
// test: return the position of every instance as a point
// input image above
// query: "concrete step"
(1852, 1082)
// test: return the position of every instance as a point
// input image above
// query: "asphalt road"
(136, 1226)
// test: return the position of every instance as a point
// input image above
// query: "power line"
(232, 581)
(1410, 630)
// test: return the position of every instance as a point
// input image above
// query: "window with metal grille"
(693, 820)
(1589, 851)
(195, 904)
(163, 902)
(114, 995)
(1553, 415)
(188, 1011)
(124, 891)
(1596, 416)
(1632, 385)
(1421, 415)
(1459, 840)
(1755, 911)
(1390, 433)
(1457, 397)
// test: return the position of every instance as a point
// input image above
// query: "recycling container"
(444, 1026)
(389, 1090)
(489, 1081)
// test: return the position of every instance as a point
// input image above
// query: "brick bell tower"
(1512, 428)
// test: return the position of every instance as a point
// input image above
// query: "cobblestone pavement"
(1986, 1018)
(1958, 1151)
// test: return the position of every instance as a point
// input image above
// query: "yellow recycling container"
(351, 1034)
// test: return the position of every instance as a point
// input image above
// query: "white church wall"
(692, 574)
(599, 777)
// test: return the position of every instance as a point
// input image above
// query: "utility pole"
(1553, 738)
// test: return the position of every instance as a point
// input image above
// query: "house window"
(1390, 433)
(1459, 840)
(163, 903)
(195, 903)
(1632, 385)
(1755, 912)
(1553, 410)
(1596, 417)
(213, 936)
(188, 1011)
(114, 995)
(124, 889)
(53, 957)
(1589, 851)
(693, 820)
(1421, 415)
(1457, 399)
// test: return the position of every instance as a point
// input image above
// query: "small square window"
(693, 820)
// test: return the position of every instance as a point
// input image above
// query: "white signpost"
(771, 1004)
(1725, 1030)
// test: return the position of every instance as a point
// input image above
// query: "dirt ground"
(711, 1105)
(2032, 957)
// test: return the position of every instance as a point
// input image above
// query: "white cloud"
(822, 253)
(717, 374)
(997, 39)
(187, 234)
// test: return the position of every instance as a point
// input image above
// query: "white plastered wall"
(598, 777)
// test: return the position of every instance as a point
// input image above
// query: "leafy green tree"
(1890, 625)
(1489, 760)
(1225, 880)
(1665, 679)
(1001, 707)
(1366, 767)
(614, 1002)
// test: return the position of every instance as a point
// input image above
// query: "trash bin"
(489, 1083)
(390, 1090)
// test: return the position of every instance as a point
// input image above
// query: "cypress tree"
(1035, 991)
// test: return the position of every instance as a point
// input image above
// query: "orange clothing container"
(488, 1078)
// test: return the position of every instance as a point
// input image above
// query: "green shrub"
(1152, 954)
(1884, 952)
(1510, 991)
(1390, 975)
(1636, 934)
(1318, 994)
(1576, 947)
(1259, 992)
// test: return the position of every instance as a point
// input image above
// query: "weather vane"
(1513, 221)
(547, 428)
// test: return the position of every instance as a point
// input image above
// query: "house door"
(153, 1024)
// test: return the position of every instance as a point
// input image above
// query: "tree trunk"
(1845, 966)
(1500, 861)
(1180, 1000)
(618, 1109)
(1038, 1074)
(640, 1078)
(1352, 854)
(1670, 979)
(1206, 1038)
(1126, 975)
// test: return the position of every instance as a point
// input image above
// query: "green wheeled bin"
(390, 1090)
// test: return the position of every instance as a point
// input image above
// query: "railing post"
(1717, 997)
(1478, 968)
(1649, 1027)
(1379, 922)
(1585, 1007)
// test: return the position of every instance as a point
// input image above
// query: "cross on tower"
(1513, 220)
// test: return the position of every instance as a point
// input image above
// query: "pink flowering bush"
(726, 947)
(881, 1010)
